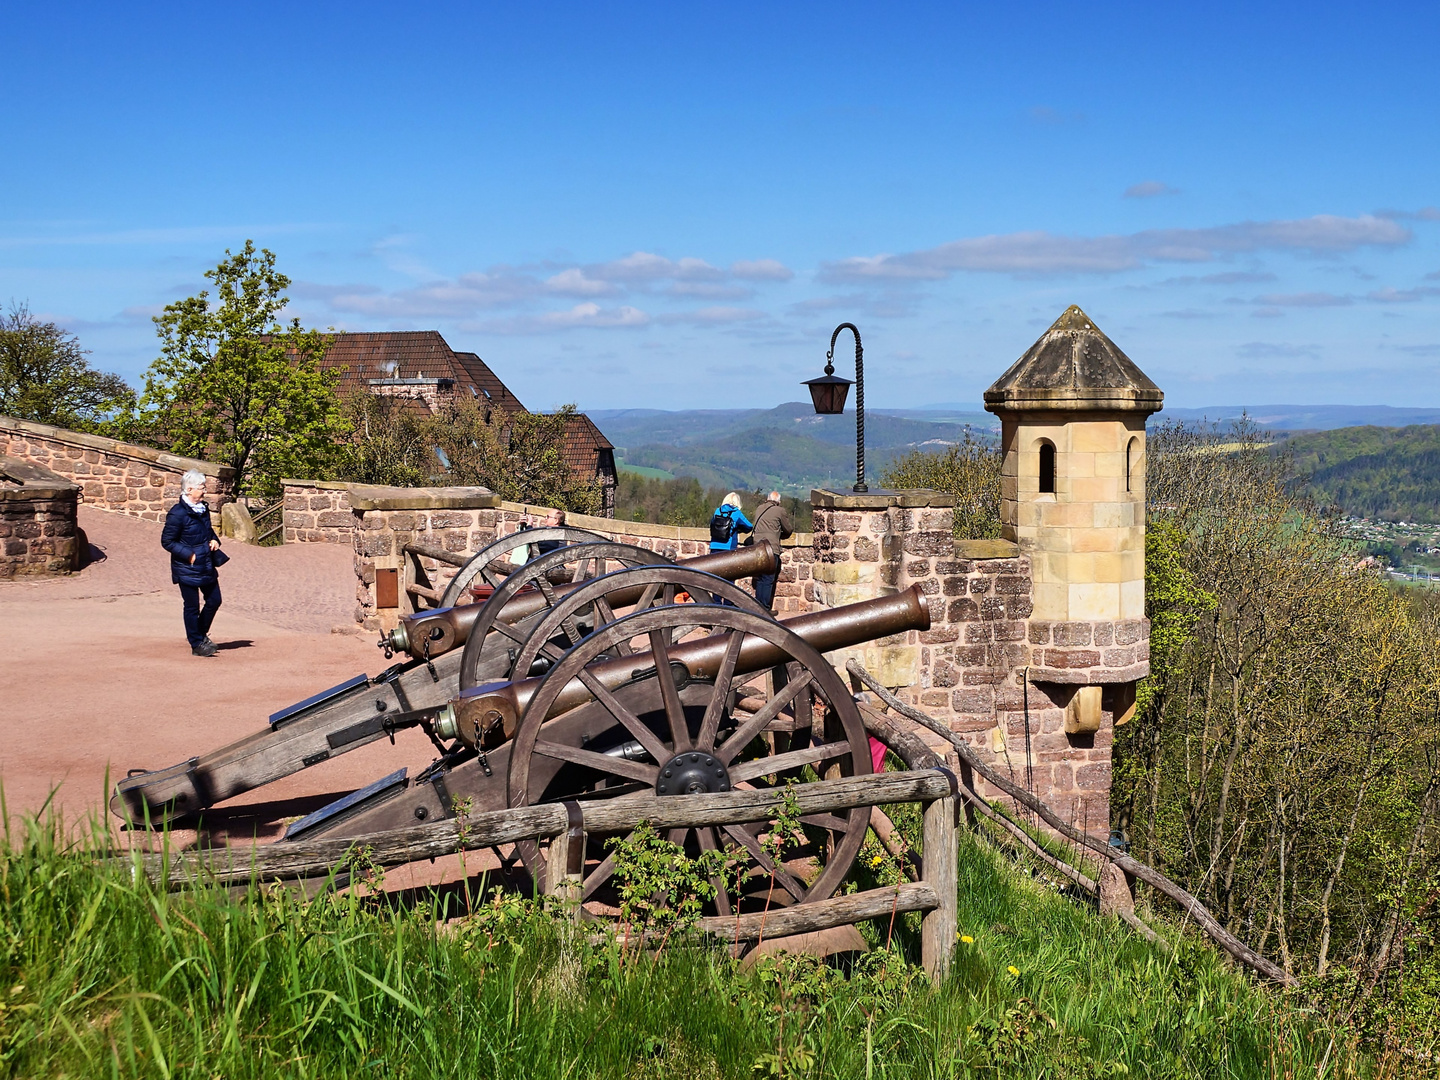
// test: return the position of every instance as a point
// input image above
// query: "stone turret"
(1072, 413)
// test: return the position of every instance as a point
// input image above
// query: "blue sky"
(671, 206)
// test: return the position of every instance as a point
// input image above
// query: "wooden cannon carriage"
(445, 650)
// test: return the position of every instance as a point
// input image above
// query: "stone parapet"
(38, 534)
(380, 522)
(112, 475)
(1089, 653)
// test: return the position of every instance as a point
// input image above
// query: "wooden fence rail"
(935, 894)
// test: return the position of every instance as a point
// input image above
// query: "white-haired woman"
(195, 556)
(727, 523)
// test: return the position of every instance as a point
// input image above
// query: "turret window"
(1047, 468)
(1130, 455)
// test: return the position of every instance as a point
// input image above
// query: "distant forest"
(1375, 472)
(682, 501)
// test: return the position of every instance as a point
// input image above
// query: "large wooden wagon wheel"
(576, 563)
(667, 734)
(480, 568)
(600, 602)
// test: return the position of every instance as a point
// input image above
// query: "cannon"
(675, 700)
(363, 709)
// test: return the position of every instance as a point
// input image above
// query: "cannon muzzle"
(428, 634)
(499, 706)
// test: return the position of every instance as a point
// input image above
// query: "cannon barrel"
(480, 709)
(449, 628)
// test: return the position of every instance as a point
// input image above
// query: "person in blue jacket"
(195, 556)
(727, 523)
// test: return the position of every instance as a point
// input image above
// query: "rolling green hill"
(789, 447)
(1376, 472)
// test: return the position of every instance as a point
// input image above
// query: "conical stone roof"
(1074, 366)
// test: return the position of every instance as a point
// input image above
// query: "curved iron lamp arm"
(860, 484)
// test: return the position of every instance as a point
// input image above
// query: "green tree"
(519, 456)
(388, 443)
(45, 377)
(969, 471)
(234, 385)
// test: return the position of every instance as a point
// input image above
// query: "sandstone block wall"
(37, 521)
(986, 667)
(317, 512)
(122, 477)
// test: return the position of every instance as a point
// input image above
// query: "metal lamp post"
(828, 394)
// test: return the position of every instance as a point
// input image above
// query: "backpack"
(722, 527)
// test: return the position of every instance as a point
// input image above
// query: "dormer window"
(1047, 468)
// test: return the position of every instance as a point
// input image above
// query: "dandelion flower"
(967, 939)
(1013, 970)
(876, 861)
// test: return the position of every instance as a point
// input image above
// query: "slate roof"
(1074, 366)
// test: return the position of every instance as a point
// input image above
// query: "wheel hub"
(692, 773)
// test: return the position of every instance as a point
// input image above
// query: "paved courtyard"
(96, 677)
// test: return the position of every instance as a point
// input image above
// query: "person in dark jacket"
(772, 523)
(727, 523)
(195, 556)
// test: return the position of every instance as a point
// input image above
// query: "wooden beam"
(823, 914)
(432, 839)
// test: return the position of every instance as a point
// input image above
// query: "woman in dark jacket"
(195, 556)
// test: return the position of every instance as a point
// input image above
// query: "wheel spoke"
(604, 616)
(752, 845)
(709, 841)
(647, 598)
(615, 766)
(632, 723)
(509, 631)
(599, 875)
(777, 763)
(753, 726)
(674, 711)
(827, 821)
(716, 706)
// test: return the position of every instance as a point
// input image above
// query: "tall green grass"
(107, 976)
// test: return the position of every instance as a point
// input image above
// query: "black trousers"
(197, 622)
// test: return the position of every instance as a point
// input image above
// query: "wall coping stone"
(36, 481)
(879, 499)
(107, 445)
(986, 549)
(332, 485)
(376, 497)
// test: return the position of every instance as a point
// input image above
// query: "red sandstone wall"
(121, 477)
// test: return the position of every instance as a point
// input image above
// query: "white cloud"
(709, 290)
(1261, 350)
(1149, 189)
(1305, 299)
(760, 270)
(643, 266)
(575, 282)
(1036, 252)
(713, 316)
(1388, 295)
(581, 316)
(1425, 213)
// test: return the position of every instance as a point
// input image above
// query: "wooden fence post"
(939, 926)
(565, 860)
